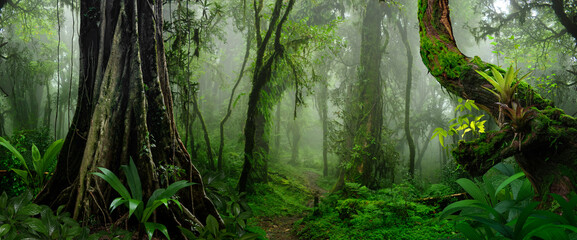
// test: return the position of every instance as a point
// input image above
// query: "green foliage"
(504, 86)
(519, 116)
(133, 200)
(212, 231)
(21, 141)
(389, 213)
(35, 178)
(507, 211)
(22, 219)
(463, 124)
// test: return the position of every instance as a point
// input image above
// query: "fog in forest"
(292, 111)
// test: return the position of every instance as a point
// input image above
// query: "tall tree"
(542, 139)
(124, 112)
(254, 169)
(403, 30)
(366, 106)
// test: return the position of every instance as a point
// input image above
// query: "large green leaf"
(151, 227)
(30, 209)
(51, 154)
(472, 189)
(7, 145)
(499, 227)
(522, 219)
(457, 206)
(3, 200)
(37, 225)
(133, 205)
(173, 188)
(35, 154)
(114, 182)
(212, 225)
(4, 229)
(469, 232)
(23, 175)
(508, 181)
(133, 180)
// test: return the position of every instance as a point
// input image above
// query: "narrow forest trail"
(281, 227)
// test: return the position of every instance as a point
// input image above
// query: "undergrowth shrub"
(357, 212)
(22, 140)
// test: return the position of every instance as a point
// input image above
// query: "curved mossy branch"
(546, 150)
(452, 69)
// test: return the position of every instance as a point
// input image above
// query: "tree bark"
(410, 142)
(546, 150)
(124, 112)
(569, 24)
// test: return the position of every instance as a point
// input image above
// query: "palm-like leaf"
(505, 86)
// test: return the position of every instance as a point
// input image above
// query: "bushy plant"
(133, 200)
(22, 141)
(389, 213)
(504, 87)
(508, 212)
(20, 218)
(35, 176)
(467, 123)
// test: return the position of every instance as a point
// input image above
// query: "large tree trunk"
(366, 110)
(546, 150)
(124, 111)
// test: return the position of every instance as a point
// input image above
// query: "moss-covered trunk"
(262, 74)
(546, 150)
(124, 111)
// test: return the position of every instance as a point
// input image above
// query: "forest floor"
(281, 227)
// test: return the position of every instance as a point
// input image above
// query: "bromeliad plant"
(35, 178)
(133, 200)
(519, 119)
(504, 86)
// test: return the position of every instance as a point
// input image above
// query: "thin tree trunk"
(325, 122)
(230, 100)
(410, 142)
(296, 137)
(278, 119)
(209, 154)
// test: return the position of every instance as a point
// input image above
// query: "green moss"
(481, 154)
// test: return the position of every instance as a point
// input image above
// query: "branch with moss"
(542, 138)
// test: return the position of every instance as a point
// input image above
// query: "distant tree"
(542, 138)
(402, 27)
(254, 168)
(520, 12)
(124, 111)
(364, 113)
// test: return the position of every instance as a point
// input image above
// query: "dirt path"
(280, 228)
